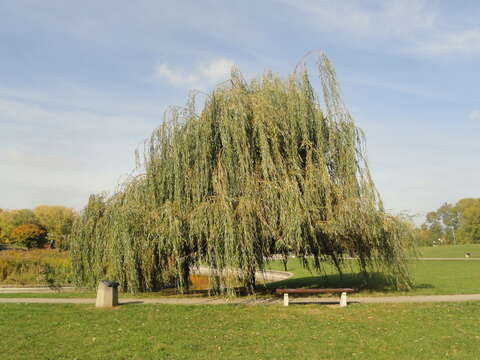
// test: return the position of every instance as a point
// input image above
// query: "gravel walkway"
(253, 301)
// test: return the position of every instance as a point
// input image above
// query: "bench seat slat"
(313, 291)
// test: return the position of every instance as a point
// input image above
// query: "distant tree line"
(44, 226)
(452, 224)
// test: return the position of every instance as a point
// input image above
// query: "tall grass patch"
(35, 267)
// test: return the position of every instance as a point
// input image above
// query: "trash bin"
(107, 294)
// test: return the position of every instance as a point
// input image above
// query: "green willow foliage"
(261, 170)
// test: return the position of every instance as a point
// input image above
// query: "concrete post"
(343, 299)
(285, 299)
(107, 294)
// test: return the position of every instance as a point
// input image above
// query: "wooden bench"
(342, 291)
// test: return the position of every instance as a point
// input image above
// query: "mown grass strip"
(400, 331)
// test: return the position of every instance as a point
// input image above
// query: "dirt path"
(253, 301)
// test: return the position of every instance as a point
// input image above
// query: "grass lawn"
(431, 278)
(393, 331)
(450, 251)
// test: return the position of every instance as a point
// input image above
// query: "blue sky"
(83, 83)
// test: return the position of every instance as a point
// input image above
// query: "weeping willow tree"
(265, 168)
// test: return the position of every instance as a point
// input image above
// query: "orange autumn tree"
(29, 235)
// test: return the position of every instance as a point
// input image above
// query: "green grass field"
(394, 331)
(360, 331)
(450, 251)
(430, 277)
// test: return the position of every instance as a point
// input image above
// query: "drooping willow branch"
(263, 169)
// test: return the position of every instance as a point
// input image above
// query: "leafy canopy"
(11, 219)
(57, 220)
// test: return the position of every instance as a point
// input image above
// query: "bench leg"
(285, 299)
(343, 299)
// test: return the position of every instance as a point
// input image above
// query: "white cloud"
(416, 27)
(176, 77)
(474, 115)
(201, 77)
(30, 120)
(218, 70)
(390, 86)
(396, 18)
(455, 42)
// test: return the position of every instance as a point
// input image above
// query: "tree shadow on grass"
(373, 282)
(423, 286)
(170, 292)
(123, 303)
